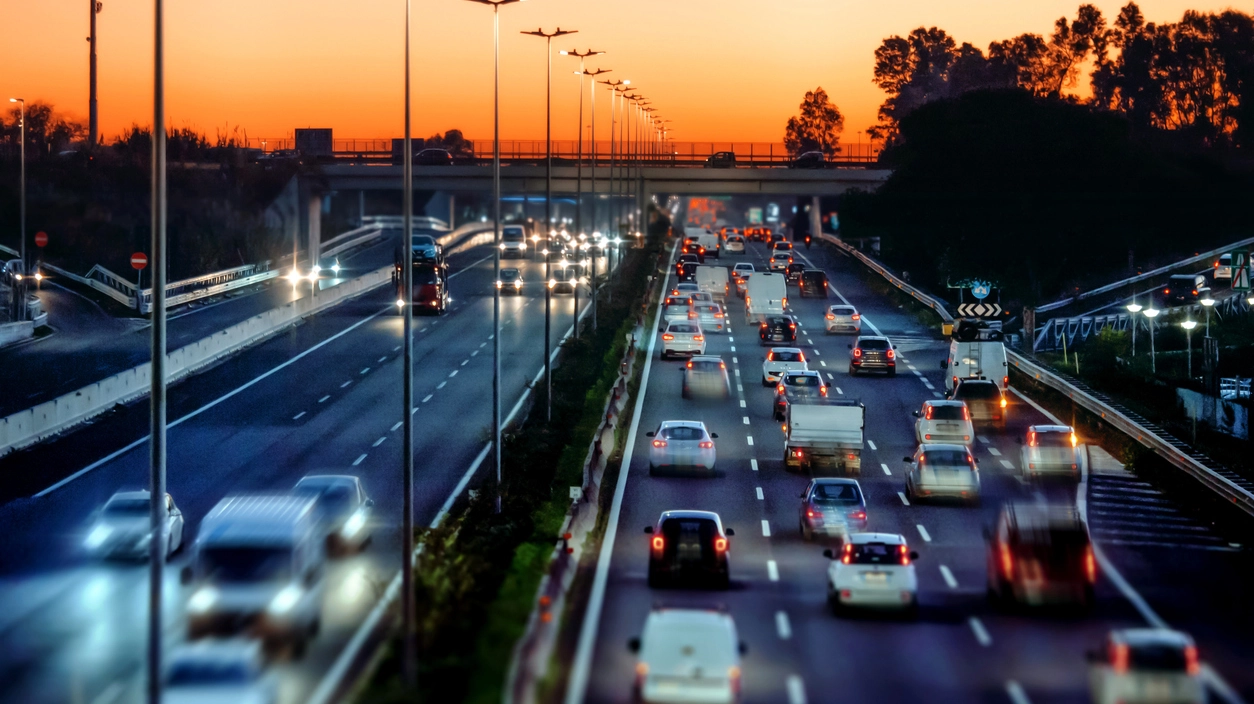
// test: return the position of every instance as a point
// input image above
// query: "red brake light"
(857, 316)
(1119, 657)
(792, 326)
(905, 555)
(927, 415)
(802, 357)
(829, 316)
(706, 444)
(668, 336)
(692, 315)
(701, 338)
(720, 544)
(658, 542)
(1031, 438)
(809, 514)
(859, 515)
(857, 351)
(966, 412)
(1191, 664)
(779, 389)
(1003, 401)
(770, 356)
(1090, 565)
(823, 390)
(1005, 381)
(846, 555)
(659, 443)
(891, 354)
(1007, 561)
(690, 364)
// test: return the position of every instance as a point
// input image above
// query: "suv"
(1050, 452)
(943, 421)
(985, 400)
(1146, 665)
(781, 329)
(686, 267)
(721, 160)
(809, 160)
(797, 387)
(1040, 554)
(688, 546)
(814, 283)
(793, 273)
(872, 353)
(687, 655)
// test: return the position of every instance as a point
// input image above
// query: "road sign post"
(41, 241)
(1241, 271)
(139, 260)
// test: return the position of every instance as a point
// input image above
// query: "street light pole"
(1134, 308)
(20, 286)
(496, 241)
(1188, 326)
(592, 98)
(579, 159)
(92, 114)
(1152, 313)
(409, 666)
(548, 210)
(1208, 302)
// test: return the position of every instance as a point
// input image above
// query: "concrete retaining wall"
(1225, 416)
(16, 332)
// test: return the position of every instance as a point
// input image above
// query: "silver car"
(122, 528)
(842, 318)
(231, 670)
(710, 315)
(780, 260)
(681, 445)
(1146, 666)
(675, 308)
(705, 376)
(832, 507)
(1050, 452)
(781, 360)
(943, 471)
(684, 337)
(343, 507)
(944, 421)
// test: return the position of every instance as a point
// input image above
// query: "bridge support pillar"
(816, 218)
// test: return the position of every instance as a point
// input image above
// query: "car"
(872, 353)
(734, 244)
(686, 267)
(686, 289)
(229, 670)
(740, 277)
(433, 157)
(675, 308)
(689, 546)
(122, 528)
(513, 241)
(343, 508)
(832, 507)
(797, 387)
(564, 280)
(425, 248)
(1223, 267)
(692, 246)
(511, 282)
(682, 337)
(760, 233)
(813, 283)
(682, 445)
(985, 400)
(874, 570)
(778, 329)
(941, 420)
(779, 261)
(705, 376)
(698, 297)
(809, 160)
(721, 160)
(1050, 452)
(687, 655)
(943, 471)
(709, 314)
(842, 318)
(780, 360)
(772, 237)
(1040, 554)
(1144, 666)
(792, 273)
(780, 245)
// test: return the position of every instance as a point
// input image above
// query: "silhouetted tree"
(817, 128)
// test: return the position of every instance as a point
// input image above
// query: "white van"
(687, 655)
(766, 293)
(713, 244)
(714, 281)
(977, 359)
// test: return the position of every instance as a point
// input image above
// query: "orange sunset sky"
(719, 69)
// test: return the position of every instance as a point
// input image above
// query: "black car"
(433, 157)
(810, 160)
(872, 353)
(793, 273)
(778, 329)
(813, 283)
(686, 267)
(984, 399)
(689, 546)
(721, 160)
(1040, 554)
(797, 387)
(691, 246)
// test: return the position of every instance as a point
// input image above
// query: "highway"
(1160, 562)
(324, 397)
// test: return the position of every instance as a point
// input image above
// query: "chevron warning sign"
(979, 310)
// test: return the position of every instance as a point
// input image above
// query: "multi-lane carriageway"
(324, 397)
(1161, 563)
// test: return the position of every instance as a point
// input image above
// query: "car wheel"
(806, 533)
(652, 470)
(833, 603)
(852, 371)
(766, 382)
(892, 373)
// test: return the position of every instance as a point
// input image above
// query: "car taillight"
(891, 354)
(659, 443)
(858, 515)
(784, 302)
(1031, 438)
(1005, 381)
(722, 365)
(668, 336)
(706, 444)
(795, 453)
(1003, 401)
(809, 514)
(720, 544)
(718, 315)
(829, 316)
(779, 389)
(927, 415)
(846, 554)
(1119, 657)
(658, 542)
(1191, 664)
(823, 390)
(1090, 565)
(770, 356)
(1073, 440)
(692, 315)
(966, 412)
(1007, 561)
(690, 364)
(701, 338)
(856, 316)
(792, 326)
(905, 554)
(801, 357)
(857, 351)
(927, 436)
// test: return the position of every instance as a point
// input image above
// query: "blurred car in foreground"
(710, 316)
(687, 655)
(944, 421)
(780, 360)
(705, 376)
(1050, 452)
(940, 471)
(682, 337)
(689, 547)
(873, 570)
(213, 672)
(122, 528)
(344, 510)
(1146, 666)
(1040, 554)
(841, 318)
(832, 507)
(679, 445)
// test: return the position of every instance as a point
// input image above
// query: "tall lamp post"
(1152, 313)
(409, 664)
(592, 99)
(21, 286)
(579, 160)
(1188, 326)
(1208, 302)
(614, 88)
(1134, 308)
(496, 241)
(548, 207)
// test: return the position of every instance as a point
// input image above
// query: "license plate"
(875, 577)
(1158, 688)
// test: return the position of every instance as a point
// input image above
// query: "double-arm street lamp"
(581, 55)
(1152, 313)
(615, 87)
(592, 99)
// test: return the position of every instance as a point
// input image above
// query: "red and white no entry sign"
(41, 239)
(139, 260)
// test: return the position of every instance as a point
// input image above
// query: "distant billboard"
(755, 216)
(314, 141)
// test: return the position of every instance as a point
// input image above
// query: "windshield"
(841, 310)
(1164, 657)
(208, 672)
(873, 344)
(509, 274)
(836, 494)
(946, 459)
(126, 507)
(1057, 440)
(424, 241)
(513, 234)
(682, 327)
(246, 563)
(683, 432)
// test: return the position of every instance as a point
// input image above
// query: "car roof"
(744, 266)
(943, 447)
(887, 538)
(689, 513)
(706, 358)
(1036, 516)
(786, 349)
(836, 481)
(834, 306)
(944, 402)
(1050, 428)
(803, 372)
(328, 479)
(1151, 636)
(681, 321)
(872, 337)
(683, 424)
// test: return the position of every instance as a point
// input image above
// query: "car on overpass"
(721, 160)
(944, 421)
(682, 337)
(344, 510)
(1050, 452)
(433, 157)
(797, 387)
(813, 284)
(689, 547)
(779, 361)
(809, 160)
(984, 398)
(230, 670)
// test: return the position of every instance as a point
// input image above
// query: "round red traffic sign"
(41, 239)
(139, 260)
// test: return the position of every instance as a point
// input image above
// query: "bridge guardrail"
(1226, 483)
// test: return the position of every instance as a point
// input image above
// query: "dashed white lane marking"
(359, 459)
(749, 438)
(746, 419)
(830, 376)
(739, 387)
(733, 348)
(948, 577)
(816, 352)
(441, 385)
(365, 370)
(809, 341)
(994, 452)
(324, 398)
(379, 441)
(399, 423)
(982, 439)
(872, 444)
(737, 372)
(772, 571)
(902, 495)
(482, 345)
(923, 532)
(938, 394)
(823, 364)
(766, 528)
(1014, 690)
(742, 403)
(735, 360)
(465, 362)
(761, 497)
(489, 336)
(782, 627)
(839, 390)
(346, 383)
(911, 367)
(887, 471)
(452, 374)
(981, 634)
(753, 464)
(929, 386)
(298, 415)
(918, 373)
(413, 410)
(382, 360)
(427, 398)
(1007, 464)
(396, 349)
(796, 690)
(730, 338)
(472, 354)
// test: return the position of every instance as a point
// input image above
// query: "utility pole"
(93, 116)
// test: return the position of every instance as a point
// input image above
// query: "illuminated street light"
(1134, 308)
(1208, 302)
(1152, 313)
(21, 293)
(1188, 326)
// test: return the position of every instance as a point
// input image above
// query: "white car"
(1050, 452)
(943, 471)
(780, 360)
(873, 570)
(343, 507)
(682, 337)
(944, 421)
(686, 289)
(780, 260)
(701, 297)
(710, 316)
(687, 655)
(219, 671)
(842, 318)
(735, 244)
(682, 444)
(122, 528)
(1146, 666)
(674, 308)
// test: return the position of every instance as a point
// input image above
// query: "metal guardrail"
(1050, 336)
(179, 292)
(353, 238)
(929, 301)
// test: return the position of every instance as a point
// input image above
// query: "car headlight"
(202, 600)
(285, 599)
(354, 524)
(97, 537)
